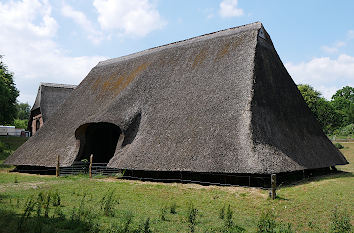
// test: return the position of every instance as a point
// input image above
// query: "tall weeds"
(108, 203)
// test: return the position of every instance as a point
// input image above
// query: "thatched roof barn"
(218, 103)
(49, 97)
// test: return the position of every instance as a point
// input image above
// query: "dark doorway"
(38, 124)
(99, 139)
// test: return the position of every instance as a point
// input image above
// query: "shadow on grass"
(329, 176)
(10, 222)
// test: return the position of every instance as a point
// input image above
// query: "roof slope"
(222, 102)
(50, 96)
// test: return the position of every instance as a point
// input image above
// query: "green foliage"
(346, 93)
(163, 212)
(343, 102)
(192, 217)
(345, 131)
(338, 145)
(146, 228)
(23, 111)
(108, 203)
(266, 223)
(8, 95)
(20, 124)
(7, 146)
(56, 199)
(332, 114)
(323, 111)
(340, 222)
(228, 220)
(222, 212)
(173, 208)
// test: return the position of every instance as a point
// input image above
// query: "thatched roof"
(50, 96)
(221, 102)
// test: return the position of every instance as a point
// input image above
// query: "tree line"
(336, 116)
(11, 111)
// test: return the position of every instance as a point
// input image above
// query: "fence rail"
(83, 168)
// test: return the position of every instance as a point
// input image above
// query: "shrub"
(192, 217)
(108, 203)
(20, 124)
(147, 226)
(222, 212)
(347, 130)
(163, 212)
(228, 220)
(340, 222)
(144, 227)
(173, 208)
(266, 223)
(339, 146)
(56, 199)
(128, 218)
(229, 225)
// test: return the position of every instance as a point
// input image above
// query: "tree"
(8, 95)
(346, 92)
(343, 103)
(23, 111)
(310, 95)
(20, 124)
(322, 109)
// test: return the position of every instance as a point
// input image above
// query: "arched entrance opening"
(99, 139)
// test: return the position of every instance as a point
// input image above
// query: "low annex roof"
(50, 96)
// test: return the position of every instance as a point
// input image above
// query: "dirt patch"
(26, 185)
(229, 189)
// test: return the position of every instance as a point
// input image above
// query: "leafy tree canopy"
(346, 92)
(8, 95)
(23, 111)
(322, 109)
(310, 95)
(343, 102)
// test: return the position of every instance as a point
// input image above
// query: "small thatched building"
(219, 103)
(49, 97)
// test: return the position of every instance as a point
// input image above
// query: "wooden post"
(90, 166)
(273, 180)
(57, 170)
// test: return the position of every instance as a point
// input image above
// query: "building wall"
(37, 123)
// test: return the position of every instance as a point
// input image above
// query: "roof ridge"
(58, 85)
(245, 27)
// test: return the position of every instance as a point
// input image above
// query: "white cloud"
(27, 42)
(350, 34)
(132, 18)
(228, 8)
(21, 19)
(334, 48)
(324, 74)
(80, 18)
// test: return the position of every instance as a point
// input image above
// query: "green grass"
(113, 205)
(8, 144)
(12, 143)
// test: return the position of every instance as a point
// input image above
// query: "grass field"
(34, 203)
(8, 145)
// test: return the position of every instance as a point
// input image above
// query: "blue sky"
(60, 41)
